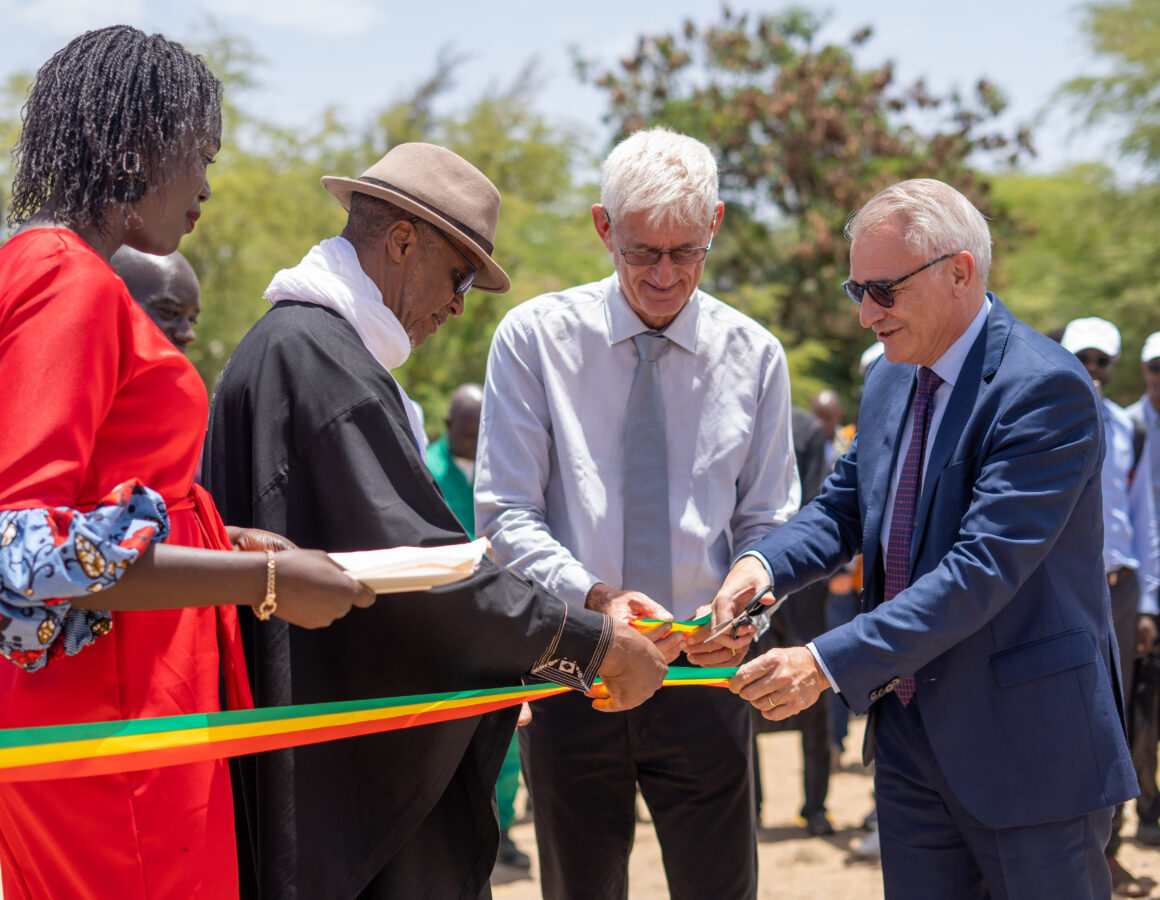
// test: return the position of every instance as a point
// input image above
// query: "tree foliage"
(1125, 35)
(803, 137)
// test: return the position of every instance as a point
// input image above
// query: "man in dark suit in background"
(802, 619)
(984, 650)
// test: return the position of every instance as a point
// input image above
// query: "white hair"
(670, 177)
(938, 219)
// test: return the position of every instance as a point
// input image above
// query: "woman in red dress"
(118, 132)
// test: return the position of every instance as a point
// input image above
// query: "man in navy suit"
(984, 651)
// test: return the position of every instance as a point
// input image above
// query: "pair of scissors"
(745, 617)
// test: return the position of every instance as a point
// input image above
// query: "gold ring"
(769, 697)
(732, 652)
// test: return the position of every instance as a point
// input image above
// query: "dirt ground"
(791, 864)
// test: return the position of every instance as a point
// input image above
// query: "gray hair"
(670, 177)
(938, 219)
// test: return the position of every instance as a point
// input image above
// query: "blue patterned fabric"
(50, 555)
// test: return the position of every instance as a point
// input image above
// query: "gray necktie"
(648, 564)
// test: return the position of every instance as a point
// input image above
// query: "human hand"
(626, 606)
(746, 578)
(312, 590)
(633, 669)
(525, 715)
(780, 682)
(1146, 633)
(258, 539)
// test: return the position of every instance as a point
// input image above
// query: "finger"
(364, 597)
(525, 715)
(598, 691)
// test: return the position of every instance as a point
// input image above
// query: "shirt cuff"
(822, 665)
(761, 559)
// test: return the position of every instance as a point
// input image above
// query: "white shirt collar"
(950, 364)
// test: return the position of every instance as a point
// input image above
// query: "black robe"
(308, 437)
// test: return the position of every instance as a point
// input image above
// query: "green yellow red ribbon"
(691, 625)
(126, 745)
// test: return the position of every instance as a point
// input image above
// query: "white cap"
(1094, 333)
(870, 354)
(1151, 347)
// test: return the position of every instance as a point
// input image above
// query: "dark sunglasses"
(463, 285)
(1153, 366)
(880, 291)
(1094, 359)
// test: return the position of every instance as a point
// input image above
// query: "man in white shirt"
(589, 488)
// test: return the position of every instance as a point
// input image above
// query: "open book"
(398, 569)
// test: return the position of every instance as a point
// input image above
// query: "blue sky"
(359, 54)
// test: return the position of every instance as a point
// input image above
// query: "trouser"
(1125, 596)
(689, 750)
(934, 849)
(800, 619)
(1144, 722)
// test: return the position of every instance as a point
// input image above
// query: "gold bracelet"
(269, 604)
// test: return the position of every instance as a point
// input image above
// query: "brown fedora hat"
(445, 190)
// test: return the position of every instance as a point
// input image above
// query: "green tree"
(803, 137)
(1127, 36)
(1090, 250)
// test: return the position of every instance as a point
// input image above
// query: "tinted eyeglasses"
(464, 284)
(881, 291)
(1094, 359)
(681, 256)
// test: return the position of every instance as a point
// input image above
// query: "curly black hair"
(102, 117)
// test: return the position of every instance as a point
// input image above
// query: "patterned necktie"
(647, 553)
(905, 499)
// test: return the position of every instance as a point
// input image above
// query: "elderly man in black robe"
(311, 437)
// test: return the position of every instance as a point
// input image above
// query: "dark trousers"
(933, 849)
(1144, 722)
(1125, 594)
(802, 618)
(689, 749)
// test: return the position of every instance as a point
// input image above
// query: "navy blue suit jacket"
(1006, 622)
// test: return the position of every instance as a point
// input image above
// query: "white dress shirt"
(1130, 539)
(550, 465)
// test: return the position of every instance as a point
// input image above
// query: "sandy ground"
(792, 865)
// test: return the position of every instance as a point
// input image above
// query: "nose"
(869, 312)
(457, 305)
(205, 193)
(183, 332)
(665, 269)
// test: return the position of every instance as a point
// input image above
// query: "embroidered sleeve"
(50, 555)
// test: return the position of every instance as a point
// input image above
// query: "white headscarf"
(330, 275)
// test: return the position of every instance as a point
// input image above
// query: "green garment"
(456, 490)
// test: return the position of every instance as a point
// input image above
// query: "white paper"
(397, 569)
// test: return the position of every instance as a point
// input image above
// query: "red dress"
(92, 394)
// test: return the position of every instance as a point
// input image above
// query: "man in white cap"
(1146, 413)
(1130, 543)
(311, 436)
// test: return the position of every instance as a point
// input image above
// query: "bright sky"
(361, 54)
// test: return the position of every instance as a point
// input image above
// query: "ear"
(718, 217)
(603, 226)
(963, 272)
(402, 238)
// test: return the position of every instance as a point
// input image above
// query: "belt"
(1116, 575)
